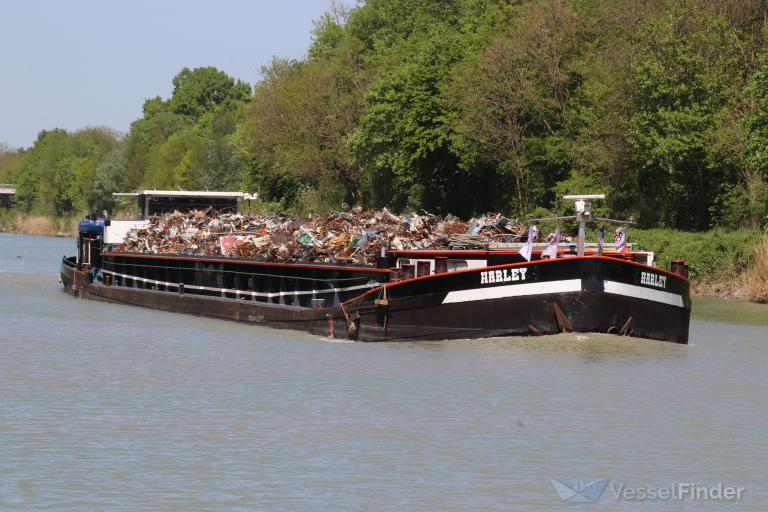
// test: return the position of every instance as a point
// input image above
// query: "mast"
(583, 215)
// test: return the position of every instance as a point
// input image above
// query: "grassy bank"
(731, 263)
(41, 225)
(756, 276)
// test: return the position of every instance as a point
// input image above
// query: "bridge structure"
(7, 191)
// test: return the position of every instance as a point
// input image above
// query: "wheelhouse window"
(422, 267)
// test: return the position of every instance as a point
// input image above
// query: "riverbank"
(756, 277)
(38, 225)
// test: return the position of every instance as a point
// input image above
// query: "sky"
(77, 63)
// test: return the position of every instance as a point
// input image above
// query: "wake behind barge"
(409, 295)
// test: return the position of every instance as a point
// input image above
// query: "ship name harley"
(503, 276)
(652, 279)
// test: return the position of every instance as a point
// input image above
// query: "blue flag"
(600, 240)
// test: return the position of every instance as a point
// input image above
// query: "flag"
(620, 237)
(600, 240)
(526, 251)
(551, 249)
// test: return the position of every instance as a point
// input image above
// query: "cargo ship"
(423, 294)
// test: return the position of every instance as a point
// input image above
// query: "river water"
(111, 407)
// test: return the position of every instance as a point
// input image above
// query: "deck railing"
(221, 280)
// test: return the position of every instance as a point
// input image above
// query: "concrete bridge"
(7, 191)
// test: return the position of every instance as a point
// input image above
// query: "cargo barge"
(408, 295)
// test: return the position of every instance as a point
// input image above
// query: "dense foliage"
(713, 256)
(459, 106)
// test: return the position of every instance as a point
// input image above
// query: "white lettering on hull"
(506, 275)
(651, 279)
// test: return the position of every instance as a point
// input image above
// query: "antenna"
(584, 196)
(583, 214)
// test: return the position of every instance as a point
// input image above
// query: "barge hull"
(449, 306)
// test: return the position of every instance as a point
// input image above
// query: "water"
(110, 407)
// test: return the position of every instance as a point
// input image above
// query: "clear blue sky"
(75, 63)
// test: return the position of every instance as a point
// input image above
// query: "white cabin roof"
(180, 193)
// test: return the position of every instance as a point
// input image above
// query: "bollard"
(678, 267)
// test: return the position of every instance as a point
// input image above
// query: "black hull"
(588, 294)
(585, 312)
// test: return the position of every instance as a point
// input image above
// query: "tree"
(402, 141)
(109, 177)
(57, 174)
(681, 79)
(459, 106)
(299, 120)
(512, 101)
(185, 141)
(202, 90)
(10, 160)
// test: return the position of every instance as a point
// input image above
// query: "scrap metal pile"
(351, 236)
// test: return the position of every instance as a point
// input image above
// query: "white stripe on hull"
(570, 285)
(640, 292)
(513, 290)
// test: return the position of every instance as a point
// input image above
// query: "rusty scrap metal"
(353, 235)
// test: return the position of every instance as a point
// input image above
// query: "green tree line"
(458, 106)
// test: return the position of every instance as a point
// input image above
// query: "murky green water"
(109, 407)
(730, 311)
